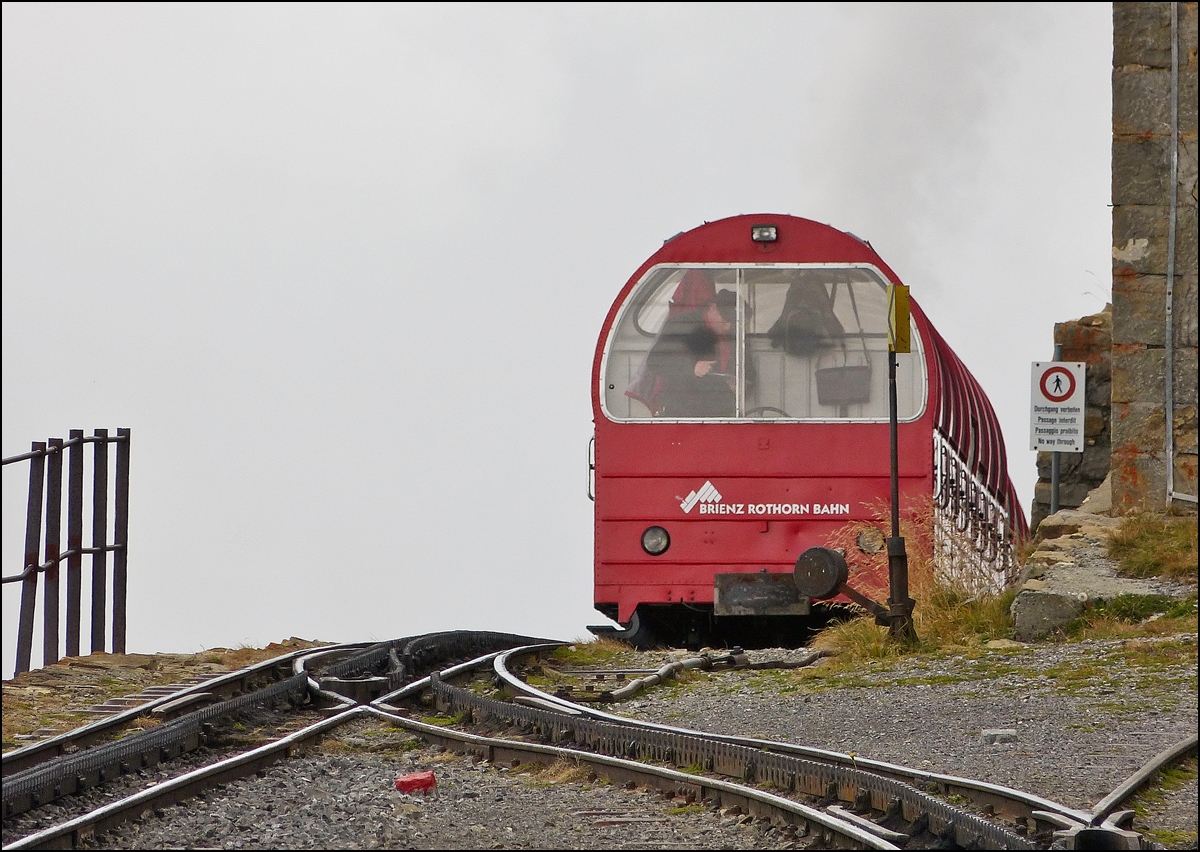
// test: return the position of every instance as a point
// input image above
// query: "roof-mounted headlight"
(764, 233)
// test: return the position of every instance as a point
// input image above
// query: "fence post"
(74, 540)
(50, 594)
(99, 538)
(33, 532)
(121, 539)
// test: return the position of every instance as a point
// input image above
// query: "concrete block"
(1185, 428)
(1139, 309)
(1185, 475)
(1141, 101)
(1138, 426)
(1137, 374)
(1142, 34)
(1140, 239)
(1184, 370)
(991, 736)
(1185, 241)
(1187, 37)
(1183, 311)
(1187, 173)
(1140, 171)
(1139, 481)
(1037, 613)
(1187, 90)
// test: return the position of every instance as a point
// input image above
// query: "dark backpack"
(807, 322)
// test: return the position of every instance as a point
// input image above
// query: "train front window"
(769, 342)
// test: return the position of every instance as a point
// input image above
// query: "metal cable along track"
(404, 658)
(784, 772)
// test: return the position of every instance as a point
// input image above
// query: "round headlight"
(655, 540)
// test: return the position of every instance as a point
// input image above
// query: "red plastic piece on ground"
(423, 781)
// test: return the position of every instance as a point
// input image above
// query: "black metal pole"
(33, 536)
(121, 539)
(74, 540)
(900, 605)
(51, 594)
(99, 538)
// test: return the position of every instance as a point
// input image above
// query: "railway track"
(834, 798)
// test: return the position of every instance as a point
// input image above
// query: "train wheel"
(637, 633)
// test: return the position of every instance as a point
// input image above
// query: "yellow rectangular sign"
(898, 325)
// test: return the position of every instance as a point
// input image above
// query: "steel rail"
(495, 749)
(1135, 781)
(37, 753)
(1006, 800)
(806, 776)
(71, 833)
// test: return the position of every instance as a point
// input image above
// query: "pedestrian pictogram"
(1057, 384)
(1058, 406)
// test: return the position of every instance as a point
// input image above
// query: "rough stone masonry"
(1141, 198)
(1089, 340)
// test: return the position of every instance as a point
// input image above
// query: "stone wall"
(1089, 340)
(1141, 193)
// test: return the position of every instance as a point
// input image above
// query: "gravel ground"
(348, 800)
(1076, 741)
(1086, 715)
(261, 727)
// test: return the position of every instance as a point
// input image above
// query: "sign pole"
(900, 605)
(1055, 457)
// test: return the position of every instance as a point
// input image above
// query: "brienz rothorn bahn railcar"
(740, 393)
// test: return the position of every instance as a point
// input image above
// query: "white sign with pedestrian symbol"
(1056, 413)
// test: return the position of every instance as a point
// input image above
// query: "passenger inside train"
(690, 369)
(813, 341)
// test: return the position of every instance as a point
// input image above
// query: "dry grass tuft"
(1156, 546)
(558, 772)
(945, 615)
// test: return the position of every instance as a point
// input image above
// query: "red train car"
(740, 396)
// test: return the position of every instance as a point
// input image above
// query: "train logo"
(706, 494)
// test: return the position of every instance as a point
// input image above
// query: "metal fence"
(46, 487)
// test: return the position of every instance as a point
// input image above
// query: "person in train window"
(690, 371)
(807, 322)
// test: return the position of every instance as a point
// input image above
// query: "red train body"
(741, 416)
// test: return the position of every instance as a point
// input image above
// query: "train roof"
(797, 240)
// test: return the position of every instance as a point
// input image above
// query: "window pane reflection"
(802, 343)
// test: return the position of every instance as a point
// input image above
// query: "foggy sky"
(342, 268)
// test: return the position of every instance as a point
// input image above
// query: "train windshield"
(758, 342)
